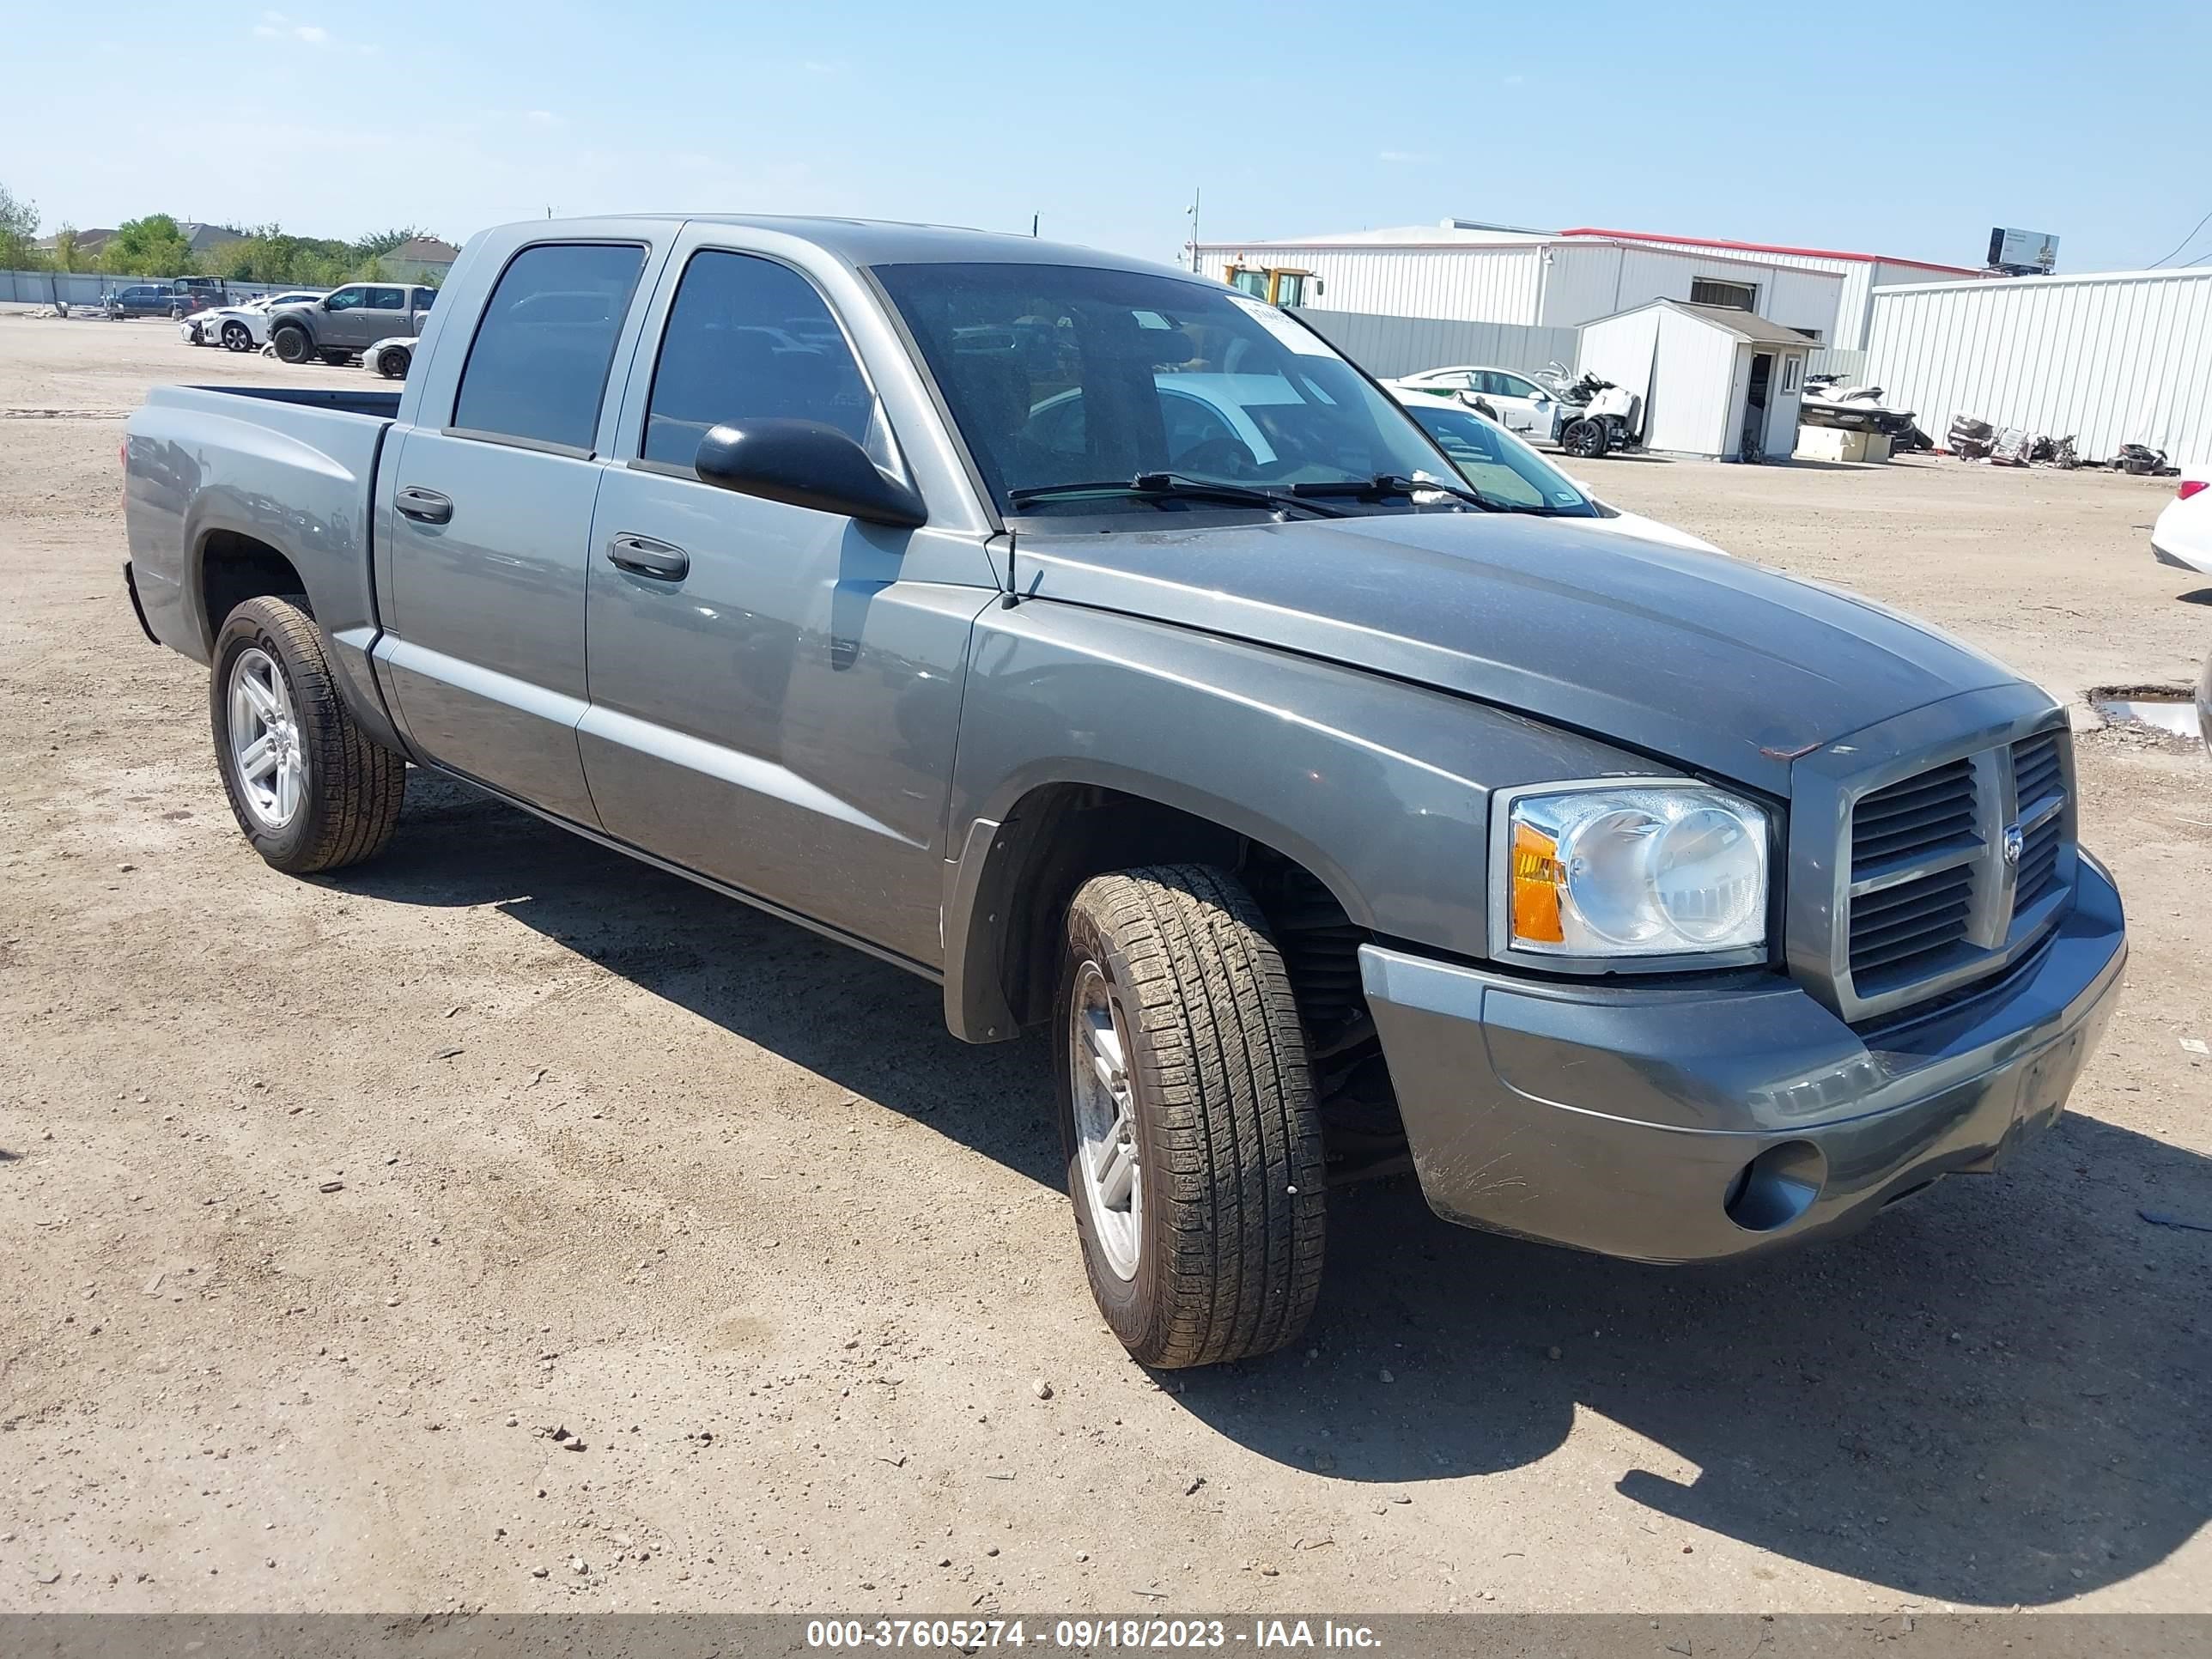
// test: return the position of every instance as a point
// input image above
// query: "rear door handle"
(425, 506)
(644, 556)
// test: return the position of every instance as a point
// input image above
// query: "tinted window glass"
(1498, 465)
(748, 339)
(1169, 374)
(538, 366)
(387, 298)
(346, 299)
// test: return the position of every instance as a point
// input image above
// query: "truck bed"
(345, 400)
(232, 469)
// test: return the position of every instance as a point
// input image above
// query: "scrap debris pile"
(1972, 440)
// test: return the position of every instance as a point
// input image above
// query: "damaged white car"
(240, 327)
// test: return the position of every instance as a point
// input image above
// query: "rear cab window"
(537, 370)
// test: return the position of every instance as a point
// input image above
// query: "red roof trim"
(1770, 247)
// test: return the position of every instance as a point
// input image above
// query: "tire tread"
(1226, 1071)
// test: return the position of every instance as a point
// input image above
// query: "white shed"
(1718, 384)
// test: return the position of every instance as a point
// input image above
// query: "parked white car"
(240, 327)
(2182, 534)
(391, 358)
(1522, 404)
(1508, 472)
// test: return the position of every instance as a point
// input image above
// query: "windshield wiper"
(1397, 483)
(1175, 486)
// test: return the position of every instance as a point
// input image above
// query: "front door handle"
(425, 506)
(642, 556)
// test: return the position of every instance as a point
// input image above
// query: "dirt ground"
(322, 1201)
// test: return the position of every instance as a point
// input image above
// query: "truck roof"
(890, 241)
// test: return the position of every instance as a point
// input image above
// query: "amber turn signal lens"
(1536, 877)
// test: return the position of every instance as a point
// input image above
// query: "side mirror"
(806, 464)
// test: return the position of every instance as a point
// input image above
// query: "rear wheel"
(236, 337)
(1584, 438)
(292, 343)
(310, 789)
(1193, 1136)
(338, 359)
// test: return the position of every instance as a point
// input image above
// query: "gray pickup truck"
(1331, 818)
(347, 321)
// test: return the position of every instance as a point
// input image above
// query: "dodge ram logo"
(2014, 841)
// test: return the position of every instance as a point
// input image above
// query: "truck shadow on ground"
(2001, 1393)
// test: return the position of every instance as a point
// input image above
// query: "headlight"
(1636, 870)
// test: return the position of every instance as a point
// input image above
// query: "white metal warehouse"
(1862, 273)
(2112, 358)
(1479, 275)
(1716, 383)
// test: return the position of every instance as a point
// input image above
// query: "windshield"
(1062, 375)
(1500, 466)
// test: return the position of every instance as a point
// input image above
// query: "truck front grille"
(2038, 777)
(1933, 901)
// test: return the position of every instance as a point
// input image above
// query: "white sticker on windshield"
(1304, 342)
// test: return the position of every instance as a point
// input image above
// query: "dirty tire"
(1228, 1131)
(354, 785)
(292, 343)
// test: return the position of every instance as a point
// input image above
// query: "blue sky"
(1906, 130)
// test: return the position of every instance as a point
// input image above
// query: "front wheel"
(1584, 438)
(392, 362)
(292, 343)
(310, 789)
(236, 337)
(1187, 1113)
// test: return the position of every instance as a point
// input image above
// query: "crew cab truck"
(1326, 818)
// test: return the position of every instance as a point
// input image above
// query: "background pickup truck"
(1330, 816)
(347, 321)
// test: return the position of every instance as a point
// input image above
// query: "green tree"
(18, 231)
(66, 256)
(151, 246)
(378, 243)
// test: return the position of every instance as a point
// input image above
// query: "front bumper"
(1670, 1124)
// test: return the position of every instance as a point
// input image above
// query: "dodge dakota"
(1331, 817)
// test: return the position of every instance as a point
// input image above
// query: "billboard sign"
(2023, 250)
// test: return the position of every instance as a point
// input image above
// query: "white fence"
(1389, 346)
(2111, 359)
(88, 287)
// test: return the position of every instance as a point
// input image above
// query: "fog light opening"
(1777, 1187)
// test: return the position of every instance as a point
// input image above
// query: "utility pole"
(1033, 224)
(1192, 212)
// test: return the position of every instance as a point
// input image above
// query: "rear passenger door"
(775, 690)
(384, 316)
(485, 515)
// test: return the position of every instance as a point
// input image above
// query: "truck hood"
(1696, 658)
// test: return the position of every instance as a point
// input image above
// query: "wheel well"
(1062, 835)
(234, 568)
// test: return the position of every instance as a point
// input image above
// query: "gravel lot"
(322, 1202)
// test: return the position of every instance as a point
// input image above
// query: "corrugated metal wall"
(1587, 282)
(1468, 284)
(2112, 359)
(1389, 346)
(1859, 278)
